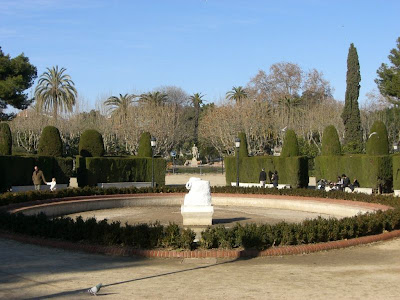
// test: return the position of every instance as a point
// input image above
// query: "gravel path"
(367, 272)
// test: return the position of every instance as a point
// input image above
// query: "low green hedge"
(370, 171)
(117, 169)
(291, 170)
(396, 172)
(252, 236)
(17, 170)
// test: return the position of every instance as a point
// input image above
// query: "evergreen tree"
(145, 145)
(330, 141)
(388, 80)
(91, 144)
(290, 144)
(5, 139)
(16, 76)
(378, 143)
(243, 152)
(351, 112)
(50, 143)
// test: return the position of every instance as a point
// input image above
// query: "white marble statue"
(197, 208)
(195, 152)
(199, 192)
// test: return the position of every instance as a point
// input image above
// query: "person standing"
(262, 178)
(275, 179)
(37, 178)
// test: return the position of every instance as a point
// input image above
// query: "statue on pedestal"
(195, 153)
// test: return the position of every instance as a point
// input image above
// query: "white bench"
(367, 191)
(43, 187)
(124, 184)
(397, 193)
(269, 185)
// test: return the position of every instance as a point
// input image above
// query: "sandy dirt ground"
(214, 178)
(223, 215)
(364, 272)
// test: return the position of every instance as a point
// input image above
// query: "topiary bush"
(50, 143)
(243, 152)
(290, 144)
(144, 149)
(330, 142)
(378, 143)
(91, 144)
(5, 139)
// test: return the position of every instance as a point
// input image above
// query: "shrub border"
(202, 253)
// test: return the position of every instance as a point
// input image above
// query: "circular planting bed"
(251, 224)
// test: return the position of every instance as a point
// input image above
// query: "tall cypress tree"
(353, 142)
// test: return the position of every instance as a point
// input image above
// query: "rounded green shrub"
(5, 139)
(144, 149)
(378, 143)
(290, 144)
(243, 152)
(50, 143)
(91, 143)
(330, 142)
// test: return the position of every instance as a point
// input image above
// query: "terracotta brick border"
(214, 253)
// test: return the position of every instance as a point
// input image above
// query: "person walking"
(275, 179)
(37, 178)
(262, 178)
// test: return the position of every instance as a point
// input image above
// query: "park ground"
(363, 272)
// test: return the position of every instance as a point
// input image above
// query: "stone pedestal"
(73, 182)
(198, 215)
(194, 162)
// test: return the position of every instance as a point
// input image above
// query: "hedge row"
(396, 172)
(93, 170)
(17, 170)
(155, 235)
(291, 170)
(370, 171)
(102, 232)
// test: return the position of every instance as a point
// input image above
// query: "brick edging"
(215, 253)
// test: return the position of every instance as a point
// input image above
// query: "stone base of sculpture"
(197, 215)
(194, 162)
(197, 209)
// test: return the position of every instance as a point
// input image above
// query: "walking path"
(367, 272)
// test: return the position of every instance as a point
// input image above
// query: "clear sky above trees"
(204, 46)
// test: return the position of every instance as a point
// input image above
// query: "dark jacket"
(37, 177)
(263, 176)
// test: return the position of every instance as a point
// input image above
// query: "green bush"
(91, 144)
(370, 171)
(5, 139)
(291, 170)
(330, 142)
(50, 143)
(290, 146)
(144, 149)
(117, 169)
(396, 172)
(378, 143)
(243, 152)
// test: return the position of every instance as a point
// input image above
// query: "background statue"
(195, 151)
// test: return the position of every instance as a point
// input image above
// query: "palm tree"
(153, 98)
(237, 94)
(120, 105)
(196, 101)
(55, 91)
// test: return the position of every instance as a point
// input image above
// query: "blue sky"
(112, 47)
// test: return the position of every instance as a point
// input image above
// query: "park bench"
(124, 184)
(43, 187)
(269, 185)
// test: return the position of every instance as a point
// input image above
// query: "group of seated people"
(342, 182)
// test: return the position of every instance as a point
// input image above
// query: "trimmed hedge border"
(15, 200)
(214, 253)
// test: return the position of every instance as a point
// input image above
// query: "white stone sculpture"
(197, 208)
